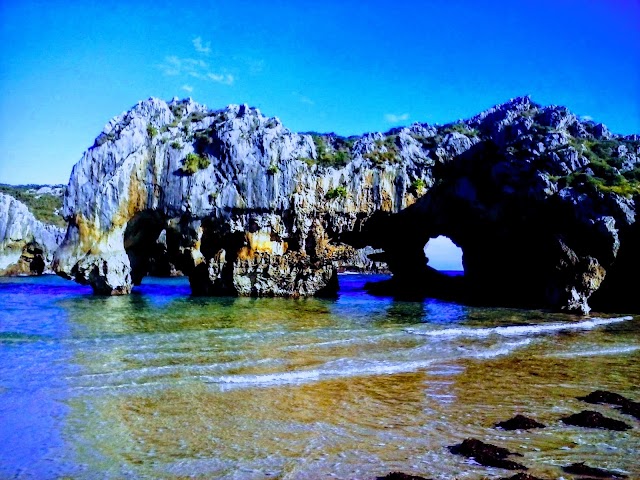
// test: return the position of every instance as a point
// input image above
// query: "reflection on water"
(162, 385)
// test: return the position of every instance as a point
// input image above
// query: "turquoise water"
(162, 385)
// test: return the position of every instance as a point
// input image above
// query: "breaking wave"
(518, 330)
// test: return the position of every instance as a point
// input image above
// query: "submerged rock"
(582, 469)
(519, 422)
(604, 396)
(486, 454)
(400, 476)
(624, 404)
(591, 419)
(26, 244)
(521, 476)
(631, 408)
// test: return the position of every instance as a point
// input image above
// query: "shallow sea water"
(159, 384)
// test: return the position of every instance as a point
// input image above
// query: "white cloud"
(586, 118)
(193, 68)
(200, 47)
(393, 118)
(187, 88)
(172, 65)
(224, 78)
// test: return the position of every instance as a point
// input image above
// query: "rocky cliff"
(26, 244)
(230, 198)
(542, 204)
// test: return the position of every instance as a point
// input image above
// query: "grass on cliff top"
(603, 172)
(336, 155)
(335, 151)
(43, 207)
(391, 153)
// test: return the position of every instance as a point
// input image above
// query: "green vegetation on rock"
(386, 152)
(460, 128)
(427, 142)
(195, 117)
(603, 172)
(337, 192)
(419, 186)
(152, 131)
(335, 155)
(194, 162)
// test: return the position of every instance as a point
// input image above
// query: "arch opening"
(444, 255)
(145, 241)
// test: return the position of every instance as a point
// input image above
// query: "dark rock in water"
(486, 454)
(400, 476)
(519, 422)
(582, 469)
(603, 396)
(624, 404)
(631, 408)
(590, 419)
(472, 447)
(521, 476)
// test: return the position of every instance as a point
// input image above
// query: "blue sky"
(343, 66)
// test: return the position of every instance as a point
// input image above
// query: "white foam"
(504, 349)
(597, 352)
(138, 374)
(329, 371)
(359, 340)
(518, 330)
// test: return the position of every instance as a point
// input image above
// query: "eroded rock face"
(26, 244)
(230, 197)
(543, 207)
(542, 204)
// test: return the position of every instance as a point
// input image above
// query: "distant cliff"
(43, 201)
(541, 203)
(26, 244)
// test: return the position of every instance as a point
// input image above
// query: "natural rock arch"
(540, 202)
(526, 243)
(246, 206)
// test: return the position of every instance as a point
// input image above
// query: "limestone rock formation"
(26, 244)
(542, 204)
(230, 198)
